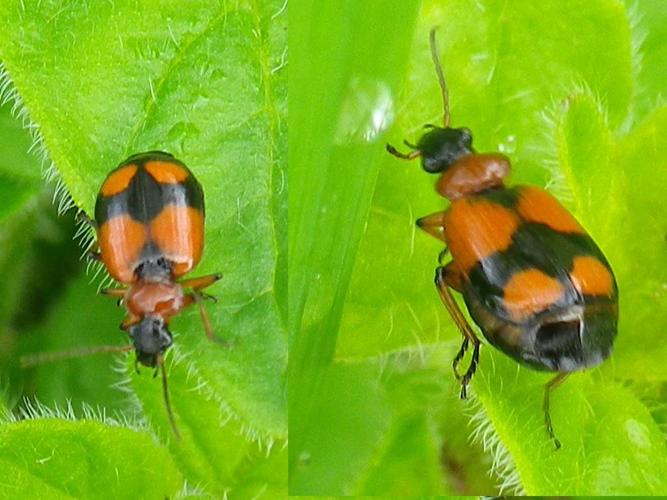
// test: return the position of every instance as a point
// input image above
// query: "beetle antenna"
(50, 357)
(441, 77)
(165, 393)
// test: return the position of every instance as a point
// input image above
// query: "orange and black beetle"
(149, 218)
(533, 280)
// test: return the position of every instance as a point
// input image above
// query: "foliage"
(96, 83)
(571, 92)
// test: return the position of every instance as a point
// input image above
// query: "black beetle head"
(150, 337)
(441, 147)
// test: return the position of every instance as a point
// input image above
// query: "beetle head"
(441, 147)
(150, 337)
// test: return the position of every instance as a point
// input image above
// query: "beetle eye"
(466, 136)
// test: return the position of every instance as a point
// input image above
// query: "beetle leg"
(452, 277)
(433, 224)
(442, 282)
(441, 256)
(471, 369)
(83, 217)
(130, 321)
(115, 292)
(198, 298)
(201, 282)
(459, 357)
(208, 296)
(93, 251)
(94, 255)
(548, 388)
(204, 316)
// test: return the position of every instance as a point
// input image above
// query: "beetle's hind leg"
(198, 297)
(459, 357)
(447, 277)
(548, 389)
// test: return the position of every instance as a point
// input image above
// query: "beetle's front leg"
(433, 224)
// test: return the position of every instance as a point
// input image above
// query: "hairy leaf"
(206, 83)
(55, 458)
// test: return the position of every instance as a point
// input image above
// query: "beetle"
(533, 280)
(149, 220)
(149, 217)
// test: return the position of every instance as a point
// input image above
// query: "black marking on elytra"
(500, 195)
(535, 246)
(144, 198)
(489, 276)
(552, 251)
(141, 158)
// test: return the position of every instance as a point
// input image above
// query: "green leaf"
(389, 427)
(610, 443)
(410, 453)
(352, 416)
(642, 244)
(54, 458)
(208, 84)
(341, 97)
(561, 88)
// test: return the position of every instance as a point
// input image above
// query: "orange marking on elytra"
(166, 172)
(118, 180)
(536, 205)
(529, 292)
(591, 277)
(121, 240)
(476, 229)
(179, 232)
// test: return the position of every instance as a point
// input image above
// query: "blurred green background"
(573, 92)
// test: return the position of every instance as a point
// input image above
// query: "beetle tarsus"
(471, 370)
(548, 388)
(459, 357)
